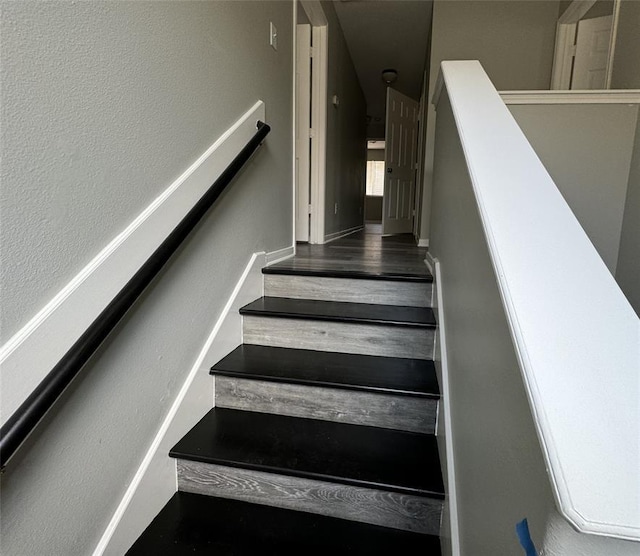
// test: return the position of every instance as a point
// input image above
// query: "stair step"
(198, 525)
(342, 453)
(301, 268)
(353, 290)
(337, 311)
(366, 474)
(392, 375)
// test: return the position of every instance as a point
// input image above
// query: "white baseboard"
(337, 235)
(155, 481)
(280, 255)
(430, 262)
(423, 243)
(32, 352)
(449, 534)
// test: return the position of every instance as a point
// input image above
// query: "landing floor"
(366, 251)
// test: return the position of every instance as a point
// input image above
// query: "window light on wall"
(375, 178)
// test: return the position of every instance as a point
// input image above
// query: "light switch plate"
(273, 36)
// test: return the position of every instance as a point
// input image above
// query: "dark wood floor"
(365, 251)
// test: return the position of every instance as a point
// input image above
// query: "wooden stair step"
(351, 289)
(202, 525)
(295, 267)
(337, 311)
(391, 375)
(342, 453)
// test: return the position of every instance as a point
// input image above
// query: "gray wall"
(346, 135)
(104, 106)
(373, 209)
(499, 466)
(514, 41)
(626, 59)
(500, 471)
(587, 149)
(628, 270)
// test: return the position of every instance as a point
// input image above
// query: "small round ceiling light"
(389, 76)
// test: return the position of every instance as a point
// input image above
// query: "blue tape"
(522, 530)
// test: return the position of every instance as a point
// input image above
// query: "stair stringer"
(449, 531)
(155, 481)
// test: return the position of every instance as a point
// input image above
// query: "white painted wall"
(104, 106)
(514, 41)
(628, 269)
(346, 136)
(511, 461)
(587, 149)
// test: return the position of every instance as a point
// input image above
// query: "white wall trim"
(280, 255)
(576, 11)
(563, 56)
(337, 235)
(616, 96)
(42, 342)
(319, 84)
(294, 125)
(155, 480)
(573, 408)
(442, 365)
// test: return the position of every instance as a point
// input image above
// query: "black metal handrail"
(26, 417)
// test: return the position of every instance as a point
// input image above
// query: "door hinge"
(413, 212)
(310, 209)
(312, 133)
(311, 52)
(573, 50)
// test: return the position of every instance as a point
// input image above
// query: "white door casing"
(303, 124)
(401, 142)
(592, 53)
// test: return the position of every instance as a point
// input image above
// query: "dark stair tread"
(341, 311)
(356, 455)
(195, 524)
(368, 373)
(292, 270)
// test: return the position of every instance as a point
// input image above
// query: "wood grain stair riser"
(378, 507)
(366, 339)
(352, 290)
(390, 411)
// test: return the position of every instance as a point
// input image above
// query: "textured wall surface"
(104, 105)
(346, 136)
(587, 149)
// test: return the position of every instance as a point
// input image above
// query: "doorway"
(310, 120)
(585, 40)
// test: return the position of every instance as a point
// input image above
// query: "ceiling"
(385, 34)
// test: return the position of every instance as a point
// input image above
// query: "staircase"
(322, 439)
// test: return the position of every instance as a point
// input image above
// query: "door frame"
(318, 132)
(566, 30)
(302, 140)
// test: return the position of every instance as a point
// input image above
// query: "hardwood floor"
(365, 252)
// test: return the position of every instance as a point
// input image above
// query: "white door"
(401, 144)
(592, 53)
(303, 125)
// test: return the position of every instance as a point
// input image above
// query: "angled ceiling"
(385, 34)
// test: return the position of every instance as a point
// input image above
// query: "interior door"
(592, 53)
(401, 144)
(303, 125)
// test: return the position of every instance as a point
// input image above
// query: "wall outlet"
(273, 36)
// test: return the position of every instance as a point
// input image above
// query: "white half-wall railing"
(575, 335)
